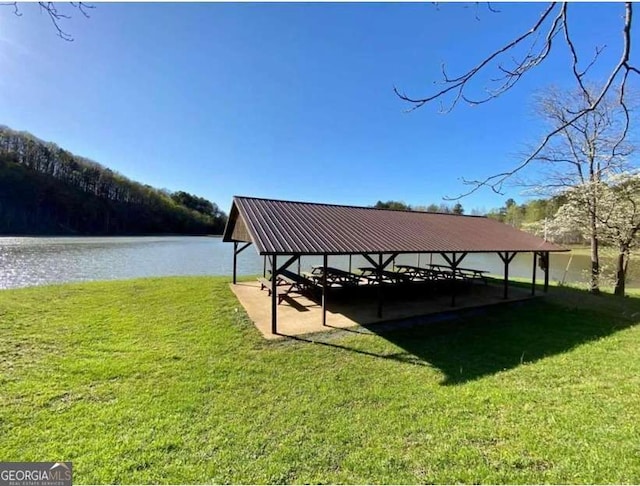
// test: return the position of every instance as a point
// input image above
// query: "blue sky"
(291, 101)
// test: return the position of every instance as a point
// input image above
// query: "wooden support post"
(264, 266)
(324, 290)
(506, 280)
(546, 271)
(235, 260)
(379, 266)
(506, 276)
(454, 269)
(506, 259)
(274, 297)
(236, 252)
(533, 278)
(288, 263)
(453, 262)
(380, 285)
(349, 263)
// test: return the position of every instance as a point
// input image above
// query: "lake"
(27, 261)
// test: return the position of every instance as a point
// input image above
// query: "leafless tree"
(585, 151)
(57, 13)
(551, 30)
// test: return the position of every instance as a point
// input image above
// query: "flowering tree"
(618, 219)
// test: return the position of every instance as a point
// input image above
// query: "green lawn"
(166, 381)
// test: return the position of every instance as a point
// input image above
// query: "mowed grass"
(167, 381)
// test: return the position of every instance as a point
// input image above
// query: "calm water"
(37, 261)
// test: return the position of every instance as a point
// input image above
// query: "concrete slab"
(300, 314)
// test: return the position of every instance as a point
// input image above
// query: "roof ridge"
(353, 206)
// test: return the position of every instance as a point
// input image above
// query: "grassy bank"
(166, 381)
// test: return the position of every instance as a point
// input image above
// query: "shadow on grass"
(474, 343)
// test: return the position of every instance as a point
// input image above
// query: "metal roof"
(289, 227)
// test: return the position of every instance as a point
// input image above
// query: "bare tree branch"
(554, 20)
(458, 84)
(492, 8)
(52, 9)
(16, 11)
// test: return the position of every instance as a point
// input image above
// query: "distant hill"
(45, 189)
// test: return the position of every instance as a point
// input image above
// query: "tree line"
(45, 189)
(530, 215)
(431, 208)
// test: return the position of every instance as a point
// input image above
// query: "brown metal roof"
(289, 227)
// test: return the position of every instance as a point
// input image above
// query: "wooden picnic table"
(265, 283)
(473, 274)
(418, 273)
(435, 271)
(334, 276)
(373, 276)
(287, 282)
(432, 272)
(463, 273)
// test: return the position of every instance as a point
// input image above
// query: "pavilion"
(284, 231)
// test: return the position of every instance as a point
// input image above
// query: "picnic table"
(473, 274)
(435, 272)
(462, 273)
(418, 273)
(442, 271)
(335, 276)
(287, 282)
(265, 283)
(373, 276)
